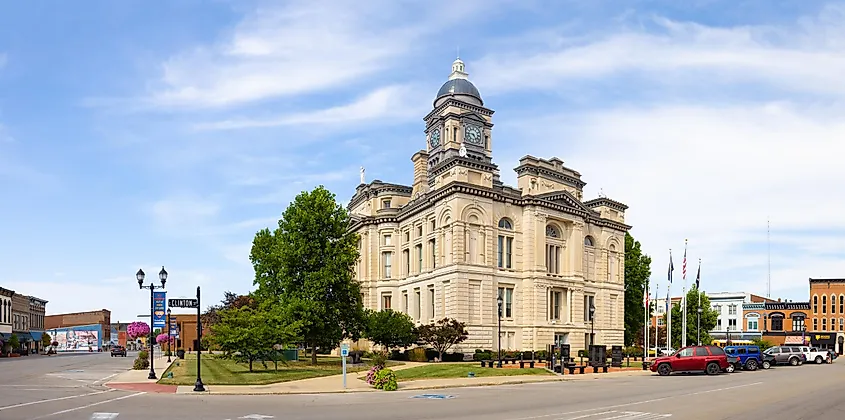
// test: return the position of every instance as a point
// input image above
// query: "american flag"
(645, 296)
(684, 269)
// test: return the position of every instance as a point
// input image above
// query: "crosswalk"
(617, 415)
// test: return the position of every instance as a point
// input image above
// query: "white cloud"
(805, 57)
(711, 170)
(302, 48)
(390, 104)
(185, 212)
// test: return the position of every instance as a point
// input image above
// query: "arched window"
(833, 305)
(797, 321)
(504, 252)
(815, 324)
(589, 259)
(842, 304)
(553, 249)
(752, 320)
(815, 304)
(824, 324)
(505, 224)
(824, 304)
(612, 270)
(833, 324)
(777, 321)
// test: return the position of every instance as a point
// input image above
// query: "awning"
(24, 337)
(5, 336)
(794, 340)
(36, 335)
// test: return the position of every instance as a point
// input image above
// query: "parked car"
(815, 355)
(118, 351)
(792, 356)
(768, 360)
(833, 355)
(750, 357)
(709, 359)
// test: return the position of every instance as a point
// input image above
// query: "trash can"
(291, 355)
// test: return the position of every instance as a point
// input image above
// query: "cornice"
(540, 171)
(454, 161)
(376, 188)
(604, 201)
(458, 104)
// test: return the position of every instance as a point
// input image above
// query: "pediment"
(564, 198)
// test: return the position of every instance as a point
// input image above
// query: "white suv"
(815, 355)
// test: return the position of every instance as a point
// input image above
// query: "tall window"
(842, 304)
(553, 247)
(777, 322)
(388, 240)
(387, 257)
(611, 264)
(731, 309)
(832, 304)
(589, 301)
(824, 324)
(815, 304)
(797, 323)
(405, 302)
(417, 303)
(406, 261)
(841, 324)
(507, 301)
(505, 244)
(385, 301)
(815, 324)
(419, 254)
(554, 304)
(753, 323)
(732, 323)
(432, 246)
(824, 304)
(431, 302)
(589, 259)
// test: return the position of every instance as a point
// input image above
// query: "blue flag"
(671, 267)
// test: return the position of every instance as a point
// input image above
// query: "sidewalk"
(136, 380)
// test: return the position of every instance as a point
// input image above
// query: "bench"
(596, 368)
(522, 364)
(573, 367)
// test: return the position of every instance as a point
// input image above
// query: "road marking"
(89, 405)
(619, 415)
(106, 378)
(43, 386)
(256, 416)
(52, 399)
(104, 416)
(557, 415)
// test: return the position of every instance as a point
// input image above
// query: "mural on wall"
(84, 338)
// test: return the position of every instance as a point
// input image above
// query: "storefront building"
(101, 317)
(81, 338)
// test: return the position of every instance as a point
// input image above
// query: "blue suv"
(749, 357)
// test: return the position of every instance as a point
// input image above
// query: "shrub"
(143, 355)
(379, 359)
(482, 355)
(453, 357)
(431, 354)
(141, 364)
(417, 355)
(398, 355)
(385, 380)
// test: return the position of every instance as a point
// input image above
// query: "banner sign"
(159, 309)
(174, 329)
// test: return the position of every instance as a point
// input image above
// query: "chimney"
(420, 160)
(778, 299)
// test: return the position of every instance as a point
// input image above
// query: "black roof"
(458, 87)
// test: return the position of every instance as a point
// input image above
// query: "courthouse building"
(457, 238)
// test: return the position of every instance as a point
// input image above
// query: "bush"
(141, 364)
(482, 355)
(143, 355)
(417, 354)
(378, 359)
(541, 355)
(385, 380)
(453, 357)
(431, 354)
(398, 355)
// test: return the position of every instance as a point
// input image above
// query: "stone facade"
(6, 310)
(20, 313)
(456, 239)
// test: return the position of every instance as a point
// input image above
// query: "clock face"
(434, 138)
(472, 135)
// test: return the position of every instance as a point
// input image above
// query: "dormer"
(537, 176)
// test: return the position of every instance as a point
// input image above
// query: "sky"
(137, 134)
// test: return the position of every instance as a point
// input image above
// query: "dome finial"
(458, 71)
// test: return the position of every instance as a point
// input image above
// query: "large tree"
(708, 319)
(248, 333)
(230, 300)
(442, 335)
(637, 272)
(307, 265)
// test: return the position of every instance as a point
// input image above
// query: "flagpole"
(684, 300)
(656, 331)
(669, 304)
(645, 325)
(698, 292)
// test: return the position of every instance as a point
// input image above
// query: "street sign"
(183, 303)
(344, 350)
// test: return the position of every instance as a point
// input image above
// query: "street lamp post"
(728, 335)
(803, 335)
(162, 275)
(168, 336)
(592, 324)
(500, 301)
(698, 329)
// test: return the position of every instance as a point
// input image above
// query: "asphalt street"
(69, 387)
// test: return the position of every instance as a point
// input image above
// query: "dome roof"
(459, 86)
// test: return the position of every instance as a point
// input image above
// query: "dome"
(459, 87)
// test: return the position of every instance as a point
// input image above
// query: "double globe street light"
(162, 275)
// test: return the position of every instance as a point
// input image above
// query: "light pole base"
(199, 387)
(152, 375)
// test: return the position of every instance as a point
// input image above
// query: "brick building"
(786, 322)
(827, 301)
(76, 319)
(187, 327)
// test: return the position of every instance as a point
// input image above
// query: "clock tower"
(458, 134)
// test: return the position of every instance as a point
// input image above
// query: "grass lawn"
(219, 371)
(460, 370)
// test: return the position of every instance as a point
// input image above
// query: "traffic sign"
(183, 303)
(344, 350)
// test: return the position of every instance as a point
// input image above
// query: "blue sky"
(140, 134)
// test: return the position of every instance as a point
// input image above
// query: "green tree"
(443, 334)
(14, 342)
(250, 333)
(637, 272)
(46, 341)
(306, 264)
(390, 329)
(708, 319)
